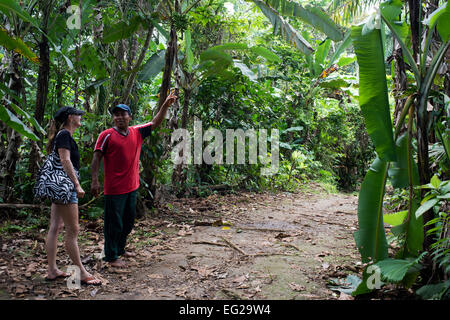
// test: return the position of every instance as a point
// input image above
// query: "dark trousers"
(120, 212)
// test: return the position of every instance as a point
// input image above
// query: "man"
(120, 148)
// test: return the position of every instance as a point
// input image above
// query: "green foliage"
(403, 171)
(153, 66)
(312, 15)
(287, 31)
(12, 121)
(370, 238)
(373, 95)
(439, 194)
(395, 270)
(11, 8)
(440, 291)
(17, 45)
(441, 246)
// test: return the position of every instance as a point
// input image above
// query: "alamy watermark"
(374, 280)
(74, 21)
(213, 153)
(74, 281)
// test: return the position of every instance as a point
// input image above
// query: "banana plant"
(216, 60)
(395, 158)
(274, 10)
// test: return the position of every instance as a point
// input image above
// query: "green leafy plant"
(439, 193)
(395, 158)
(437, 199)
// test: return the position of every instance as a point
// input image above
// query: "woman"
(66, 120)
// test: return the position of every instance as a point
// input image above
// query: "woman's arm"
(64, 155)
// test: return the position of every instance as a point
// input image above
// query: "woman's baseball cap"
(62, 114)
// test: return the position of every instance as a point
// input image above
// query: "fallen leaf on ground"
(282, 235)
(240, 279)
(204, 272)
(296, 287)
(118, 270)
(181, 292)
(345, 296)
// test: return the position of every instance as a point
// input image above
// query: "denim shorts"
(73, 197)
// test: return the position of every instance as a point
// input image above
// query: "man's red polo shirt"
(121, 157)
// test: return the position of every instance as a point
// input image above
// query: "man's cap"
(121, 106)
(62, 114)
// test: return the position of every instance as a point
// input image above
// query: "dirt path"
(246, 246)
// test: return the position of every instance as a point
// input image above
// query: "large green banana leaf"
(10, 6)
(370, 238)
(441, 18)
(288, 32)
(398, 171)
(390, 11)
(373, 95)
(314, 16)
(320, 56)
(121, 30)
(153, 66)
(17, 45)
(215, 60)
(399, 174)
(341, 48)
(13, 122)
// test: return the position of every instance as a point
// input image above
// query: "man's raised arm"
(163, 110)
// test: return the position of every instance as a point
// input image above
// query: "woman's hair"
(55, 127)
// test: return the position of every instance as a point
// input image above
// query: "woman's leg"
(69, 214)
(51, 244)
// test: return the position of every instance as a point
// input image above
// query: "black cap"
(62, 114)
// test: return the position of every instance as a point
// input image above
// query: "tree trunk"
(42, 88)
(422, 137)
(400, 81)
(131, 79)
(414, 17)
(77, 64)
(179, 174)
(150, 170)
(169, 60)
(14, 139)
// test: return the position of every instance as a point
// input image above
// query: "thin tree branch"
(193, 5)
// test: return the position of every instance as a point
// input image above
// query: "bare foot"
(129, 254)
(90, 280)
(118, 263)
(53, 275)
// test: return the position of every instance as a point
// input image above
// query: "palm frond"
(345, 12)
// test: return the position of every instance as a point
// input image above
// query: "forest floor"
(234, 246)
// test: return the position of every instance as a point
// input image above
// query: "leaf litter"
(267, 231)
